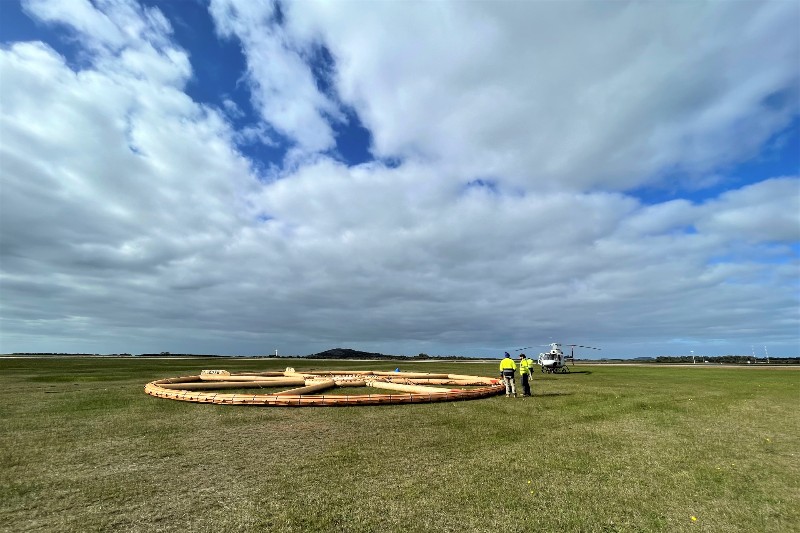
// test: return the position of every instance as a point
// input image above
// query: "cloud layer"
(543, 95)
(499, 210)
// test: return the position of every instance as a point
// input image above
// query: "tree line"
(727, 359)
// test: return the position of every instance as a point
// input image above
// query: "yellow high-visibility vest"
(507, 364)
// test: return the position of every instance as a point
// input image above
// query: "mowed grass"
(608, 448)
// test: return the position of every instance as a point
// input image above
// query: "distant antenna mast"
(767, 353)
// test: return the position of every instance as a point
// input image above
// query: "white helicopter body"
(555, 360)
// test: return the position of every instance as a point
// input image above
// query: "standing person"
(525, 374)
(507, 369)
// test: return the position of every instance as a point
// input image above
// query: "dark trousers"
(526, 386)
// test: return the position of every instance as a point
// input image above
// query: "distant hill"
(347, 353)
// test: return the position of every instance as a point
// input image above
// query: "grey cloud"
(131, 223)
(768, 211)
(539, 93)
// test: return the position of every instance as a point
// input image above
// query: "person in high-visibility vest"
(507, 369)
(525, 365)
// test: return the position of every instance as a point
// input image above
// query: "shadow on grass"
(535, 395)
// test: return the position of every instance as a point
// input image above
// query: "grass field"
(608, 448)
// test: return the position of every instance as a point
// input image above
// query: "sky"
(449, 178)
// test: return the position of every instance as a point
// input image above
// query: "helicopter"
(555, 361)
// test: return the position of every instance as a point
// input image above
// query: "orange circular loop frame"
(307, 388)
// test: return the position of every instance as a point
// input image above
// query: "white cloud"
(112, 178)
(765, 212)
(283, 86)
(579, 95)
(232, 109)
(83, 17)
(449, 264)
(105, 25)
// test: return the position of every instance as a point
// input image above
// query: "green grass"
(611, 448)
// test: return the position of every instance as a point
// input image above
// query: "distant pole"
(767, 353)
(276, 352)
(692, 356)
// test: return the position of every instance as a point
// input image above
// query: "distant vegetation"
(162, 354)
(699, 359)
(335, 353)
(728, 359)
(347, 353)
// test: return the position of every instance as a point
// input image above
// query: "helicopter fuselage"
(552, 360)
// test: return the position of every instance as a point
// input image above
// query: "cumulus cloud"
(543, 94)
(505, 267)
(283, 85)
(764, 212)
(131, 222)
(112, 176)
